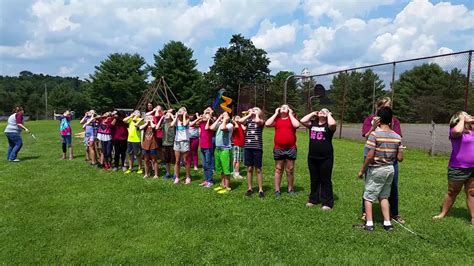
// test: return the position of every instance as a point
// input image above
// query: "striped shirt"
(253, 135)
(385, 144)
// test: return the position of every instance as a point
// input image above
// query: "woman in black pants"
(321, 127)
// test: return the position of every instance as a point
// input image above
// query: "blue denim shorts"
(151, 152)
(66, 140)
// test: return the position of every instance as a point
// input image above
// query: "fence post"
(468, 81)
(433, 137)
(343, 103)
(393, 83)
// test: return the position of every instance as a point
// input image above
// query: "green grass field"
(54, 211)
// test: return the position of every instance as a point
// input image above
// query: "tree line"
(423, 93)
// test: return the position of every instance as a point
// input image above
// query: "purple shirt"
(462, 155)
(368, 124)
(205, 137)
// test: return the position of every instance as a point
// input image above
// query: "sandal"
(399, 219)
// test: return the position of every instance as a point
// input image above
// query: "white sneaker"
(326, 208)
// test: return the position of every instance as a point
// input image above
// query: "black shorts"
(167, 154)
(253, 157)
(284, 154)
(159, 142)
(134, 147)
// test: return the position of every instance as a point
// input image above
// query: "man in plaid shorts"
(238, 136)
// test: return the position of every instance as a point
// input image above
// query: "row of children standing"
(173, 138)
(225, 142)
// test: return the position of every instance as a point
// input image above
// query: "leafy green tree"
(239, 63)
(60, 98)
(175, 63)
(274, 95)
(359, 94)
(118, 81)
(27, 90)
(6, 101)
(427, 92)
(35, 105)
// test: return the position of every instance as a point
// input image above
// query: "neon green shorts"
(222, 159)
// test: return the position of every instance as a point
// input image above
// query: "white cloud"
(102, 26)
(318, 42)
(279, 60)
(333, 34)
(182, 22)
(66, 71)
(28, 50)
(270, 37)
(418, 30)
(338, 10)
(54, 15)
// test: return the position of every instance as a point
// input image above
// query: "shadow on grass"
(28, 158)
(460, 213)
(296, 189)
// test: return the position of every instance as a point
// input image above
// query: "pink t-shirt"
(120, 131)
(462, 155)
(205, 138)
(105, 126)
(158, 132)
(368, 124)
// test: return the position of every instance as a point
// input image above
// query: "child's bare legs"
(236, 167)
(88, 158)
(70, 153)
(223, 183)
(469, 188)
(140, 161)
(384, 206)
(147, 166)
(259, 179)
(155, 165)
(249, 177)
(225, 180)
(187, 164)
(168, 168)
(368, 210)
(130, 161)
(177, 156)
(290, 173)
(454, 187)
(279, 164)
(91, 150)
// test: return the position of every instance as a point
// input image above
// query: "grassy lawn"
(55, 211)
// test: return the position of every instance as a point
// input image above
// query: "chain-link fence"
(425, 92)
(249, 96)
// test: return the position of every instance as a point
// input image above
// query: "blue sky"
(70, 37)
